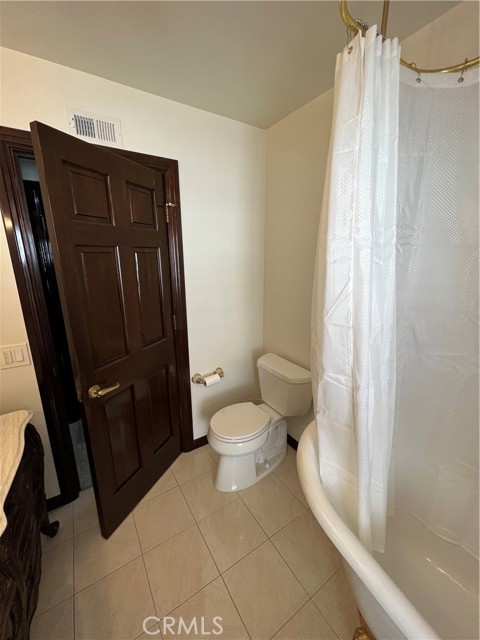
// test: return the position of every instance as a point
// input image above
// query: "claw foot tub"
(421, 588)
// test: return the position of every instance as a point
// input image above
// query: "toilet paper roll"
(213, 379)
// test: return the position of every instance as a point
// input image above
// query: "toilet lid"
(239, 421)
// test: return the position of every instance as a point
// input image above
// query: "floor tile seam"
(254, 517)
(192, 524)
(295, 496)
(292, 616)
(286, 525)
(170, 611)
(287, 487)
(195, 475)
(211, 514)
(79, 533)
(200, 531)
(143, 552)
(145, 500)
(76, 593)
(291, 571)
(209, 550)
(283, 526)
(37, 615)
(236, 608)
(334, 637)
(211, 454)
(146, 573)
(327, 581)
(202, 473)
(335, 634)
(208, 514)
(243, 557)
(48, 546)
(140, 504)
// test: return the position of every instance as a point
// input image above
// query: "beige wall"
(222, 184)
(297, 148)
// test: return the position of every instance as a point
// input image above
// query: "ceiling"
(255, 62)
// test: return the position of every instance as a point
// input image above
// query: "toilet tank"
(285, 386)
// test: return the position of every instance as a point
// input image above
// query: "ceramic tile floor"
(257, 559)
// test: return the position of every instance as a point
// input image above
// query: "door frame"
(27, 275)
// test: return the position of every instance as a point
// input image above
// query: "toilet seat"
(239, 422)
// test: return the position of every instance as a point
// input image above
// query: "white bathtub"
(422, 587)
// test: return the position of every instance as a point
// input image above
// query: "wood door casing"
(106, 220)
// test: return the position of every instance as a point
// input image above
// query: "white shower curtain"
(353, 313)
(436, 428)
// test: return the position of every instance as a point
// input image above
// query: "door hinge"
(174, 322)
(167, 211)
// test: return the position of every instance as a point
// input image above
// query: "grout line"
(197, 474)
(38, 615)
(143, 500)
(253, 516)
(145, 567)
(327, 581)
(107, 574)
(244, 557)
(235, 605)
(260, 524)
(335, 634)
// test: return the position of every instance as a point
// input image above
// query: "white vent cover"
(95, 128)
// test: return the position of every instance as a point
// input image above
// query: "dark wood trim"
(292, 442)
(200, 442)
(14, 143)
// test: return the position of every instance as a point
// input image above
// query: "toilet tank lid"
(284, 369)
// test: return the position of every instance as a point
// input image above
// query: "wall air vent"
(95, 128)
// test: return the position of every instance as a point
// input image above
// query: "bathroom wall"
(297, 148)
(222, 184)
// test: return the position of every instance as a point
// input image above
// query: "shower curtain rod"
(360, 26)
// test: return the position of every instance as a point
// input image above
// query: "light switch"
(14, 355)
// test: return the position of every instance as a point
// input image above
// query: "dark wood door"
(106, 218)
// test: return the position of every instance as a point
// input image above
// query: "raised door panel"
(106, 313)
(120, 419)
(143, 210)
(150, 295)
(159, 389)
(91, 196)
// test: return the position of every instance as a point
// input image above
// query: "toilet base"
(238, 472)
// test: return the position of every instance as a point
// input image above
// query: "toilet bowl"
(251, 439)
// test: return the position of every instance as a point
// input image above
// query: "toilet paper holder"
(197, 378)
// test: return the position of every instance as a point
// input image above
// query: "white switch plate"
(14, 355)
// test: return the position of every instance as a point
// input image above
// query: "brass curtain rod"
(361, 27)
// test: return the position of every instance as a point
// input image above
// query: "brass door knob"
(97, 392)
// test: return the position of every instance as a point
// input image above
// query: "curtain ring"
(413, 65)
(461, 78)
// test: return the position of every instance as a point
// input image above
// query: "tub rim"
(403, 613)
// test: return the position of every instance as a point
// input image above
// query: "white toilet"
(252, 439)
